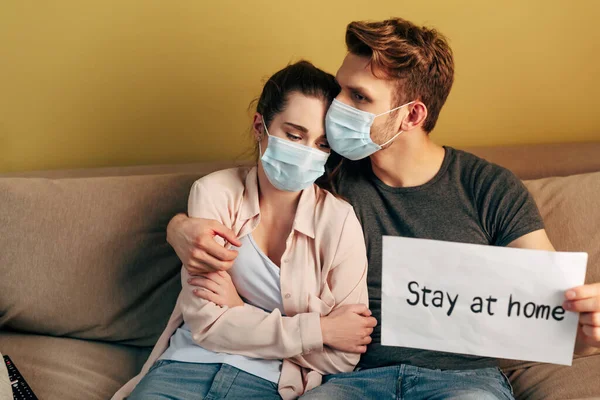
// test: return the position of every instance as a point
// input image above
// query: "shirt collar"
(304, 221)
(250, 207)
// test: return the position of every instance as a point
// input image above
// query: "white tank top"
(256, 278)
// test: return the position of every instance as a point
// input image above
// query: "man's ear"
(257, 127)
(415, 117)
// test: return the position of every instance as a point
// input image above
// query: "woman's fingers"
(207, 295)
(217, 278)
(206, 284)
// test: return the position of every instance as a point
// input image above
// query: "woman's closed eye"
(293, 138)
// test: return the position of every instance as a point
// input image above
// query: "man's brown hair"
(419, 58)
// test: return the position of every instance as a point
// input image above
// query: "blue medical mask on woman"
(349, 130)
(290, 166)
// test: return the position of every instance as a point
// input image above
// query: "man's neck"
(412, 160)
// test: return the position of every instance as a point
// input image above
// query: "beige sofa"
(87, 280)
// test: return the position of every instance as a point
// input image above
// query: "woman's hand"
(348, 328)
(218, 288)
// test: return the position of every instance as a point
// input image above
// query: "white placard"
(480, 300)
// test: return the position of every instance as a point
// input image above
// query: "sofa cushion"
(570, 209)
(87, 258)
(569, 206)
(556, 382)
(63, 368)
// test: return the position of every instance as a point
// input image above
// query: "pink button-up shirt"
(324, 266)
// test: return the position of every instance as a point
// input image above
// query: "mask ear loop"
(394, 109)
(397, 134)
(267, 132)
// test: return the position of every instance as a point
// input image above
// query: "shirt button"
(287, 295)
(286, 260)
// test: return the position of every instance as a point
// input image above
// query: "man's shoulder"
(470, 160)
(476, 169)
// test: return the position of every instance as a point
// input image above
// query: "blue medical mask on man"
(349, 130)
(289, 166)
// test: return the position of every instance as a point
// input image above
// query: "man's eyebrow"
(298, 127)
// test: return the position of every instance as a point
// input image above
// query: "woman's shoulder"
(332, 210)
(227, 181)
(338, 228)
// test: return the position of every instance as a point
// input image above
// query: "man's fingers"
(225, 233)
(583, 292)
(592, 319)
(210, 261)
(219, 252)
(586, 305)
(195, 264)
(195, 268)
(592, 332)
(582, 337)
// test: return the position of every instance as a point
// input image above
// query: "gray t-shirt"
(469, 200)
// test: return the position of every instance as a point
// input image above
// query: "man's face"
(363, 90)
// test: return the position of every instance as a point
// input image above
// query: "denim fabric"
(169, 379)
(406, 382)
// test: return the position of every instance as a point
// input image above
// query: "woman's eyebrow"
(298, 127)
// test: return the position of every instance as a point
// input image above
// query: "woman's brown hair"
(300, 77)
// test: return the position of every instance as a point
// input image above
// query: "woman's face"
(302, 122)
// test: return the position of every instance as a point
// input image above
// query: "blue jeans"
(405, 382)
(179, 380)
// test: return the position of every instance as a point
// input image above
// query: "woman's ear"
(257, 127)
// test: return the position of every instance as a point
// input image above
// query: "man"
(394, 82)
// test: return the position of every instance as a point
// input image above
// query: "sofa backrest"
(570, 207)
(86, 257)
(526, 161)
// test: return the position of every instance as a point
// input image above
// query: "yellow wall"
(117, 82)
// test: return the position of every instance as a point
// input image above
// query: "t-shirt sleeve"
(506, 209)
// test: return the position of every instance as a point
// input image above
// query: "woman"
(302, 263)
